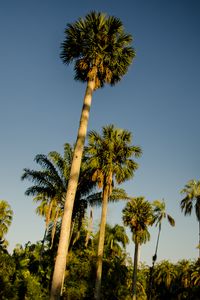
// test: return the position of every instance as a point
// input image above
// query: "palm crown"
(159, 211)
(192, 194)
(192, 197)
(100, 48)
(5, 218)
(138, 215)
(50, 183)
(110, 155)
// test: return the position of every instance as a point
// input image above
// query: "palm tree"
(159, 211)
(102, 53)
(192, 197)
(165, 275)
(109, 156)
(195, 276)
(50, 185)
(115, 239)
(138, 215)
(184, 273)
(5, 220)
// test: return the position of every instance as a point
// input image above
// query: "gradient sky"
(158, 101)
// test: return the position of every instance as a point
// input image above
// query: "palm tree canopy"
(115, 237)
(110, 155)
(192, 195)
(138, 215)
(117, 194)
(50, 183)
(159, 211)
(165, 273)
(100, 48)
(5, 217)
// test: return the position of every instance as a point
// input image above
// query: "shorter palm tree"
(192, 197)
(50, 185)
(159, 212)
(165, 275)
(110, 159)
(6, 214)
(184, 273)
(115, 240)
(138, 215)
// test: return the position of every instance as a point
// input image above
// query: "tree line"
(27, 273)
(121, 278)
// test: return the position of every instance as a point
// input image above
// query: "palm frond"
(171, 220)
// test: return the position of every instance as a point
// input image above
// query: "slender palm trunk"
(54, 228)
(139, 254)
(63, 246)
(43, 240)
(47, 221)
(89, 228)
(135, 269)
(156, 251)
(153, 263)
(199, 239)
(97, 293)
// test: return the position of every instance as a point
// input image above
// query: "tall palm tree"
(110, 158)
(192, 197)
(138, 215)
(159, 211)
(102, 53)
(5, 220)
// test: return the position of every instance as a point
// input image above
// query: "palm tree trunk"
(139, 254)
(135, 270)
(156, 251)
(63, 246)
(153, 263)
(47, 221)
(101, 243)
(199, 239)
(43, 240)
(54, 228)
(89, 228)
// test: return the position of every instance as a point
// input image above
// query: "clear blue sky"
(158, 101)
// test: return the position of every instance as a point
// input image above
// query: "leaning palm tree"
(110, 158)
(138, 215)
(159, 211)
(192, 197)
(5, 220)
(102, 53)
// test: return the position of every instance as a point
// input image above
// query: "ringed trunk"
(97, 292)
(60, 263)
